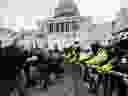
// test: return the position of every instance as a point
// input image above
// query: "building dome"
(66, 8)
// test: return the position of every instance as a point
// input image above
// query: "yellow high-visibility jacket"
(100, 57)
(74, 56)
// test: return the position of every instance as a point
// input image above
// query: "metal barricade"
(107, 82)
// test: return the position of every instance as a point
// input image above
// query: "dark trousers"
(114, 84)
(107, 87)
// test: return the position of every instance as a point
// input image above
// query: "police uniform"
(101, 57)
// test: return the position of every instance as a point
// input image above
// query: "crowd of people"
(27, 54)
(36, 56)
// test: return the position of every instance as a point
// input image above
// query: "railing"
(107, 79)
(124, 75)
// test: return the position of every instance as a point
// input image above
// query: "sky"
(24, 12)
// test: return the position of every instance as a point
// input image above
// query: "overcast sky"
(21, 12)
